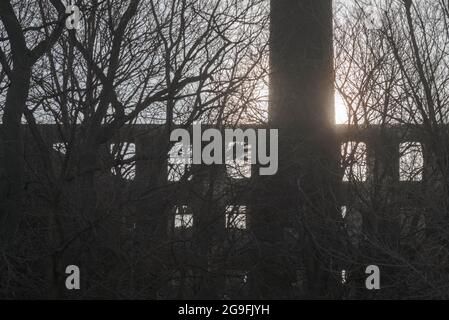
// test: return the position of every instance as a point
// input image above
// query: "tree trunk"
(12, 184)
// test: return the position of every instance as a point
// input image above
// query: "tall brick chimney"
(302, 108)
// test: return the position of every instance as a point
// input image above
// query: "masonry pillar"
(301, 107)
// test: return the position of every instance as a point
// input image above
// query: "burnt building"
(172, 229)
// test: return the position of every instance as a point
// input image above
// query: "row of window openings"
(355, 164)
(236, 218)
(179, 163)
(354, 160)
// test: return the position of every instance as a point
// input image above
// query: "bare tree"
(157, 63)
(393, 79)
(17, 63)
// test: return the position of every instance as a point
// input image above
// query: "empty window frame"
(60, 147)
(236, 217)
(344, 276)
(124, 166)
(411, 161)
(239, 165)
(179, 162)
(343, 211)
(354, 161)
(183, 218)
